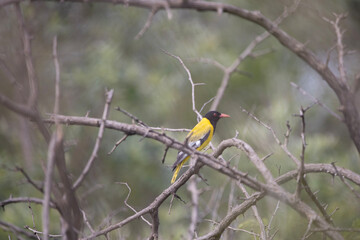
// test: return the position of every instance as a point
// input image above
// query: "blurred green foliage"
(97, 50)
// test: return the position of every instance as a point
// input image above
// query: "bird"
(198, 138)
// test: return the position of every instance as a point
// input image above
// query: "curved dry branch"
(271, 187)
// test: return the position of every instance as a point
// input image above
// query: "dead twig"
(317, 101)
(147, 24)
(94, 153)
(118, 143)
(128, 205)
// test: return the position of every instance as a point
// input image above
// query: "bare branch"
(36, 232)
(339, 45)
(164, 156)
(86, 220)
(336, 229)
(192, 188)
(136, 119)
(300, 176)
(28, 178)
(271, 220)
(32, 101)
(307, 229)
(191, 81)
(283, 146)
(17, 107)
(129, 206)
(227, 220)
(272, 189)
(155, 226)
(147, 23)
(57, 77)
(235, 229)
(341, 176)
(255, 211)
(24, 200)
(33, 220)
(317, 101)
(118, 143)
(48, 183)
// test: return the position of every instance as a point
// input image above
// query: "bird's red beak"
(223, 115)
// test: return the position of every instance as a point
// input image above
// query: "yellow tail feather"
(177, 171)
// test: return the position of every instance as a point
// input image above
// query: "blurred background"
(97, 50)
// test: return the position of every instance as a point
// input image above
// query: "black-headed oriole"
(198, 138)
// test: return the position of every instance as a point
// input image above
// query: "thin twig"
(283, 146)
(128, 205)
(86, 220)
(307, 229)
(338, 229)
(211, 99)
(191, 81)
(339, 45)
(164, 155)
(26, 40)
(302, 155)
(346, 183)
(234, 229)
(255, 211)
(36, 232)
(271, 220)
(33, 220)
(317, 101)
(34, 184)
(147, 23)
(12, 200)
(136, 119)
(118, 143)
(94, 153)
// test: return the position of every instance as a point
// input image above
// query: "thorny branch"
(271, 188)
(69, 208)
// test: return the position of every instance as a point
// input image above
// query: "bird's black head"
(214, 116)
